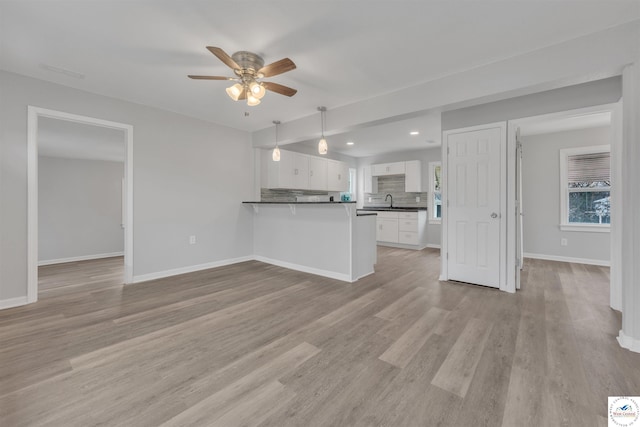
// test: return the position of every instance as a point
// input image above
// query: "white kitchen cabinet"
(337, 176)
(300, 171)
(370, 181)
(412, 176)
(382, 169)
(387, 229)
(317, 173)
(277, 174)
(402, 229)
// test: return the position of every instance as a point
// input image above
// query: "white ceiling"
(346, 52)
(386, 138)
(62, 138)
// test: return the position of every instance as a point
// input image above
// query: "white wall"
(599, 92)
(425, 156)
(190, 178)
(541, 197)
(79, 208)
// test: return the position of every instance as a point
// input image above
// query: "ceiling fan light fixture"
(322, 144)
(257, 89)
(235, 91)
(252, 101)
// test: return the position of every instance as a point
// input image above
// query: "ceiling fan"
(250, 70)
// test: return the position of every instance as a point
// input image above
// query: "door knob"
(494, 215)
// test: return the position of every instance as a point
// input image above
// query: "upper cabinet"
(337, 176)
(411, 170)
(317, 173)
(277, 174)
(302, 172)
(412, 176)
(382, 169)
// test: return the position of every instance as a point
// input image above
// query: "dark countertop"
(360, 213)
(298, 203)
(394, 209)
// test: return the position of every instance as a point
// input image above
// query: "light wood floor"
(254, 344)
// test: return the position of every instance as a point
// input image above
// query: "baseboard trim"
(305, 269)
(568, 259)
(625, 341)
(13, 302)
(79, 258)
(190, 269)
(402, 246)
(433, 246)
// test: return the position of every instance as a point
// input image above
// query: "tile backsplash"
(286, 195)
(394, 185)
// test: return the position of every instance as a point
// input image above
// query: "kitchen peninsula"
(329, 239)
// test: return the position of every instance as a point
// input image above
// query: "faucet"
(389, 196)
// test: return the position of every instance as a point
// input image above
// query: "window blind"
(593, 167)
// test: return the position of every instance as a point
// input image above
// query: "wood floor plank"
(406, 347)
(217, 403)
(524, 401)
(457, 371)
(255, 407)
(392, 311)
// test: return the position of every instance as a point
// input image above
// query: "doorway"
(561, 188)
(35, 116)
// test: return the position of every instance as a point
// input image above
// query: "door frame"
(33, 114)
(444, 271)
(616, 165)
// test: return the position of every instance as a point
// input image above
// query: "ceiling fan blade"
(210, 77)
(222, 56)
(277, 67)
(278, 88)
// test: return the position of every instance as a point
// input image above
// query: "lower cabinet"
(387, 230)
(405, 229)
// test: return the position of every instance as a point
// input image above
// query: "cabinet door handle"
(295, 171)
(339, 177)
(310, 173)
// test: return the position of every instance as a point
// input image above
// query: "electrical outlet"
(192, 240)
(417, 199)
(369, 199)
(563, 242)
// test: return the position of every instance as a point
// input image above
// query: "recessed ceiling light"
(414, 132)
(350, 142)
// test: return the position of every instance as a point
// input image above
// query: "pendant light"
(276, 151)
(322, 144)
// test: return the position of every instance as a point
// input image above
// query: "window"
(351, 194)
(585, 188)
(435, 193)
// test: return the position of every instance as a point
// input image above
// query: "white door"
(473, 218)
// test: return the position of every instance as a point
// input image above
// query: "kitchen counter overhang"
(390, 209)
(325, 238)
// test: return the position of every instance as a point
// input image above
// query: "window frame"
(565, 225)
(432, 184)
